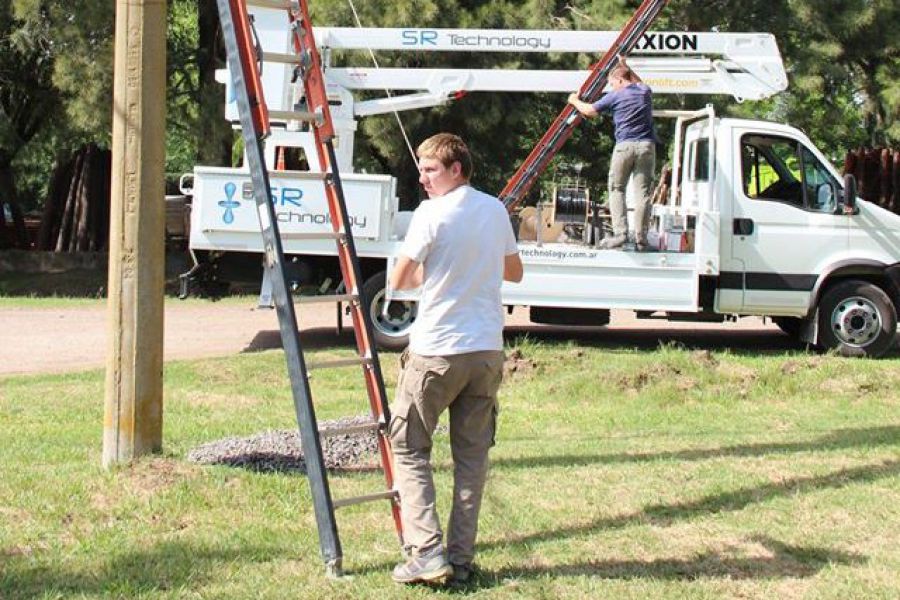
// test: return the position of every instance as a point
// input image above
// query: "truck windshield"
(782, 169)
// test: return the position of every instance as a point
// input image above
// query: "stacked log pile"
(76, 210)
(877, 172)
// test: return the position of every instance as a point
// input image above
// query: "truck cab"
(778, 232)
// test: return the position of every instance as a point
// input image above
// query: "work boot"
(611, 243)
(642, 246)
(462, 573)
(426, 566)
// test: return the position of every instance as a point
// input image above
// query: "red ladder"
(561, 129)
(242, 54)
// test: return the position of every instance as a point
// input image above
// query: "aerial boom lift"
(746, 66)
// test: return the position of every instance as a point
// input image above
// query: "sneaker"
(610, 243)
(423, 566)
(462, 573)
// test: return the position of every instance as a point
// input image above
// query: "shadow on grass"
(738, 341)
(319, 338)
(801, 559)
(836, 440)
(782, 561)
(752, 342)
(168, 566)
(663, 515)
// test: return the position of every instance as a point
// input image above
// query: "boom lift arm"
(744, 65)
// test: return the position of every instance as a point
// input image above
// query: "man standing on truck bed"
(459, 248)
(631, 104)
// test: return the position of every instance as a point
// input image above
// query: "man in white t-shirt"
(459, 248)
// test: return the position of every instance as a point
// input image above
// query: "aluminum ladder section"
(243, 56)
(561, 129)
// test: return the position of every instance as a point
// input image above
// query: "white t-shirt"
(461, 238)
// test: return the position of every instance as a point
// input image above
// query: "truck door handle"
(743, 226)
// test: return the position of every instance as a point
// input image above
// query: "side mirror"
(849, 203)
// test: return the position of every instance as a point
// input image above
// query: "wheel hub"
(856, 321)
(398, 317)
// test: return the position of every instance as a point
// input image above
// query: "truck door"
(784, 223)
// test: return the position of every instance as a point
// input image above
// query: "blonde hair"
(447, 148)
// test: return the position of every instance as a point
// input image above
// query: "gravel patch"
(280, 451)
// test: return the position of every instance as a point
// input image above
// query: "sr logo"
(419, 37)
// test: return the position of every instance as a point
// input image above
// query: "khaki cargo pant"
(638, 160)
(467, 384)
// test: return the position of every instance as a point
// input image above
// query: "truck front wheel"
(391, 326)
(856, 318)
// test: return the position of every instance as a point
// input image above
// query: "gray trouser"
(467, 384)
(637, 159)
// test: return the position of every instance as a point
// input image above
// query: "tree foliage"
(56, 61)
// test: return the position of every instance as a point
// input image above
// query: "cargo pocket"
(429, 392)
(406, 429)
(407, 432)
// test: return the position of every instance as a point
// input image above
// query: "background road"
(53, 340)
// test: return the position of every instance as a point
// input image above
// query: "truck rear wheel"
(857, 318)
(391, 327)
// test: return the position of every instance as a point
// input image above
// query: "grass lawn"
(668, 473)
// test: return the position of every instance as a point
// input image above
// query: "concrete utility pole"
(132, 423)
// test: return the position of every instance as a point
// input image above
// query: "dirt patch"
(144, 479)
(793, 366)
(734, 371)
(518, 365)
(638, 381)
(704, 358)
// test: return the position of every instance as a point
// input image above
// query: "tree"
(848, 61)
(27, 97)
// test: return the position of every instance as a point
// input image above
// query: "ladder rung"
(280, 57)
(340, 362)
(282, 4)
(294, 115)
(326, 298)
(348, 430)
(325, 235)
(386, 495)
(304, 175)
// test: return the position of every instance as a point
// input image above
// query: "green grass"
(665, 473)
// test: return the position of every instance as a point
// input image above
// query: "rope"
(409, 147)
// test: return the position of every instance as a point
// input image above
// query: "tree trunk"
(66, 223)
(80, 239)
(215, 136)
(53, 204)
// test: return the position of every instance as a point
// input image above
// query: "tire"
(789, 325)
(857, 318)
(392, 331)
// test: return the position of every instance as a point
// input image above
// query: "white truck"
(755, 220)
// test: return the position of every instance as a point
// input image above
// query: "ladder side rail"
(314, 85)
(242, 31)
(238, 51)
(561, 129)
(365, 338)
